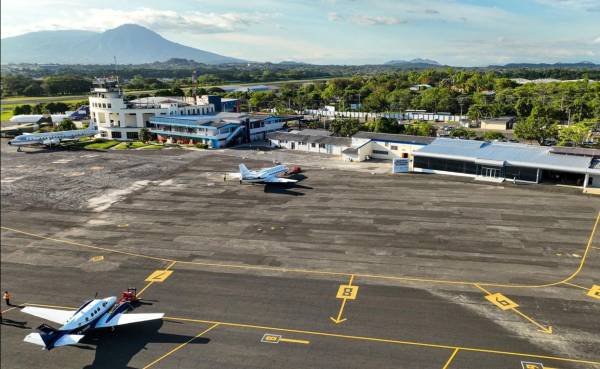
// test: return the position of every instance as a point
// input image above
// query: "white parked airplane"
(94, 314)
(51, 138)
(36, 118)
(266, 175)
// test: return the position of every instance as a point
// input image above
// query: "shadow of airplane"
(116, 349)
(14, 323)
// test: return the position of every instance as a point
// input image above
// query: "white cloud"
(157, 20)
(334, 17)
(597, 40)
(587, 5)
(379, 20)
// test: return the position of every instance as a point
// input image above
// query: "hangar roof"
(500, 154)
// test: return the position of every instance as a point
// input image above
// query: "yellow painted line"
(541, 327)
(575, 285)
(304, 342)
(382, 340)
(151, 282)
(181, 346)
(504, 303)
(84, 245)
(339, 318)
(345, 292)
(9, 309)
(333, 273)
(51, 306)
(483, 289)
(594, 292)
(450, 358)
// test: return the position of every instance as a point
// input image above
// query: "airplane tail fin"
(49, 339)
(244, 170)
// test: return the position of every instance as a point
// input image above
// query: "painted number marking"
(270, 338)
(594, 292)
(502, 301)
(530, 365)
(95, 259)
(347, 292)
(159, 275)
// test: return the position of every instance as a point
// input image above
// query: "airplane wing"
(53, 315)
(274, 179)
(123, 319)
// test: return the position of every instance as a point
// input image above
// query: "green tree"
(344, 127)
(493, 135)
(462, 132)
(66, 125)
(145, 135)
(22, 109)
(575, 134)
(421, 129)
(539, 126)
(383, 125)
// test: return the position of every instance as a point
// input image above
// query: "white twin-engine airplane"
(94, 314)
(267, 175)
(51, 138)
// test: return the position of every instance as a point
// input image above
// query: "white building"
(120, 119)
(217, 130)
(310, 140)
(373, 145)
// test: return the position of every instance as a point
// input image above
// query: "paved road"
(252, 262)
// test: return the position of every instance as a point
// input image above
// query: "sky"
(452, 32)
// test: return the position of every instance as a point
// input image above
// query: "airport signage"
(400, 165)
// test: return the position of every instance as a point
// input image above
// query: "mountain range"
(129, 43)
(413, 62)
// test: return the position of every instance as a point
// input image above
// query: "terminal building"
(217, 130)
(385, 146)
(121, 119)
(499, 161)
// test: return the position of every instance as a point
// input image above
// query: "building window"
(116, 134)
(321, 146)
(109, 105)
(313, 145)
(394, 147)
(379, 152)
(132, 135)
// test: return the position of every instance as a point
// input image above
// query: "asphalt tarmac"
(348, 269)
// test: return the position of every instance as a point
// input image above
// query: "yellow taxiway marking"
(382, 340)
(276, 338)
(447, 365)
(51, 306)
(350, 337)
(157, 276)
(9, 309)
(575, 285)
(333, 273)
(345, 292)
(530, 365)
(181, 346)
(303, 342)
(542, 328)
(504, 303)
(95, 259)
(594, 292)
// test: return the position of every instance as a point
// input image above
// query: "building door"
(293, 145)
(490, 172)
(329, 149)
